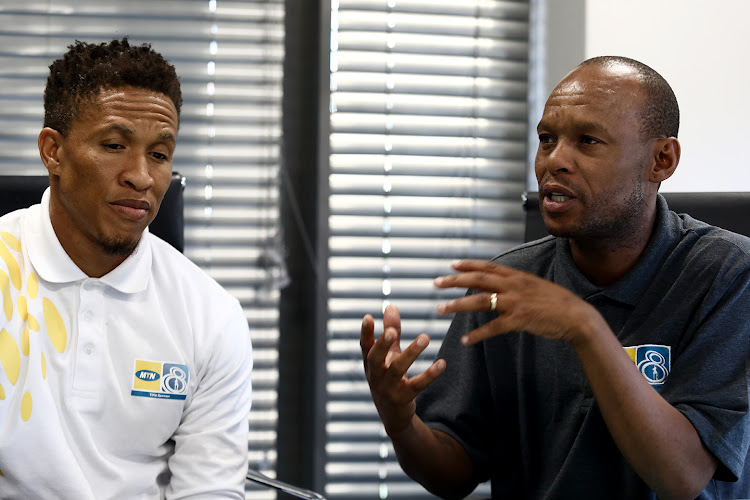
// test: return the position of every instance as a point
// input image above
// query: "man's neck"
(90, 258)
(604, 261)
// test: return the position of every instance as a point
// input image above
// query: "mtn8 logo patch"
(653, 361)
(156, 379)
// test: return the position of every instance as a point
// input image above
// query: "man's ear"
(50, 145)
(666, 157)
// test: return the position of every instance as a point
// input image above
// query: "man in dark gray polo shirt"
(607, 361)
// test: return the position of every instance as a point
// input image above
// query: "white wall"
(701, 49)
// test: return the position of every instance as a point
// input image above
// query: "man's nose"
(560, 159)
(137, 173)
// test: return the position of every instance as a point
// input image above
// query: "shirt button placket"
(88, 369)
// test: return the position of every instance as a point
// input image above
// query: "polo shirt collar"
(567, 273)
(53, 264)
(630, 287)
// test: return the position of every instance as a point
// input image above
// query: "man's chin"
(118, 247)
(556, 228)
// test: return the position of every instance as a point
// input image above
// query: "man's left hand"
(524, 302)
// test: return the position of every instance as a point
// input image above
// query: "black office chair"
(21, 191)
(726, 210)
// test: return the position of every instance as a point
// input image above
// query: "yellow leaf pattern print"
(7, 299)
(10, 357)
(32, 285)
(26, 407)
(22, 309)
(11, 240)
(55, 326)
(13, 269)
(15, 344)
(25, 341)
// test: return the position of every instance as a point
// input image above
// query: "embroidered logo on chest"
(155, 379)
(653, 361)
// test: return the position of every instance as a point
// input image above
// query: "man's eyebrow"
(118, 127)
(168, 137)
(125, 130)
(590, 125)
(579, 125)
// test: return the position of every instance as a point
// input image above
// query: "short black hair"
(660, 116)
(87, 69)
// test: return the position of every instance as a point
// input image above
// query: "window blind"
(428, 157)
(229, 57)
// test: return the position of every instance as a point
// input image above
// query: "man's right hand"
(431, 457)
(386, 365)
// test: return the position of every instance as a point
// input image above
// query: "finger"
(400, 364)
(484, 269)
(418, 383)
(390, 357)
(480, 280)
(376, 358)
(487, 266)
(367, 335)
(392, 319)
(475, 302)
(492, 329)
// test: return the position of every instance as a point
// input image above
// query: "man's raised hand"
(393, 392)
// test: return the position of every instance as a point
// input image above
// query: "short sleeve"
(211, 443)
(709, 380)
(455, 403)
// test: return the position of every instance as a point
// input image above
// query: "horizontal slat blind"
(428, 155)
(229, 57)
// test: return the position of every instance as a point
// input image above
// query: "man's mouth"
(135, 210)
(558, 197)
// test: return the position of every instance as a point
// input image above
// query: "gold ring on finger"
(493, 301)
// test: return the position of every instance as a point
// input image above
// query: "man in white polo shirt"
(125, 369)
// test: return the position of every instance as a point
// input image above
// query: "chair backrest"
(726, 210)
(21, 191)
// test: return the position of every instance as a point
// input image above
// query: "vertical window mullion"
(428, 164)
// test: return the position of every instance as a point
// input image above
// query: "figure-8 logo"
(653, 361)
(174, 379)
(154, 379)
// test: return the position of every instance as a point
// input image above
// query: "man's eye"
(589, 140)
(545, 139)
(114, 146)
(160, 156)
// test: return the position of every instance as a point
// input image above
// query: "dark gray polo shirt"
(522, 408)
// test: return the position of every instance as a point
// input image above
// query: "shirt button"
(88, 349)
(87, 316)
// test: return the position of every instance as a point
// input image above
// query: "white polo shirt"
(132, 385)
